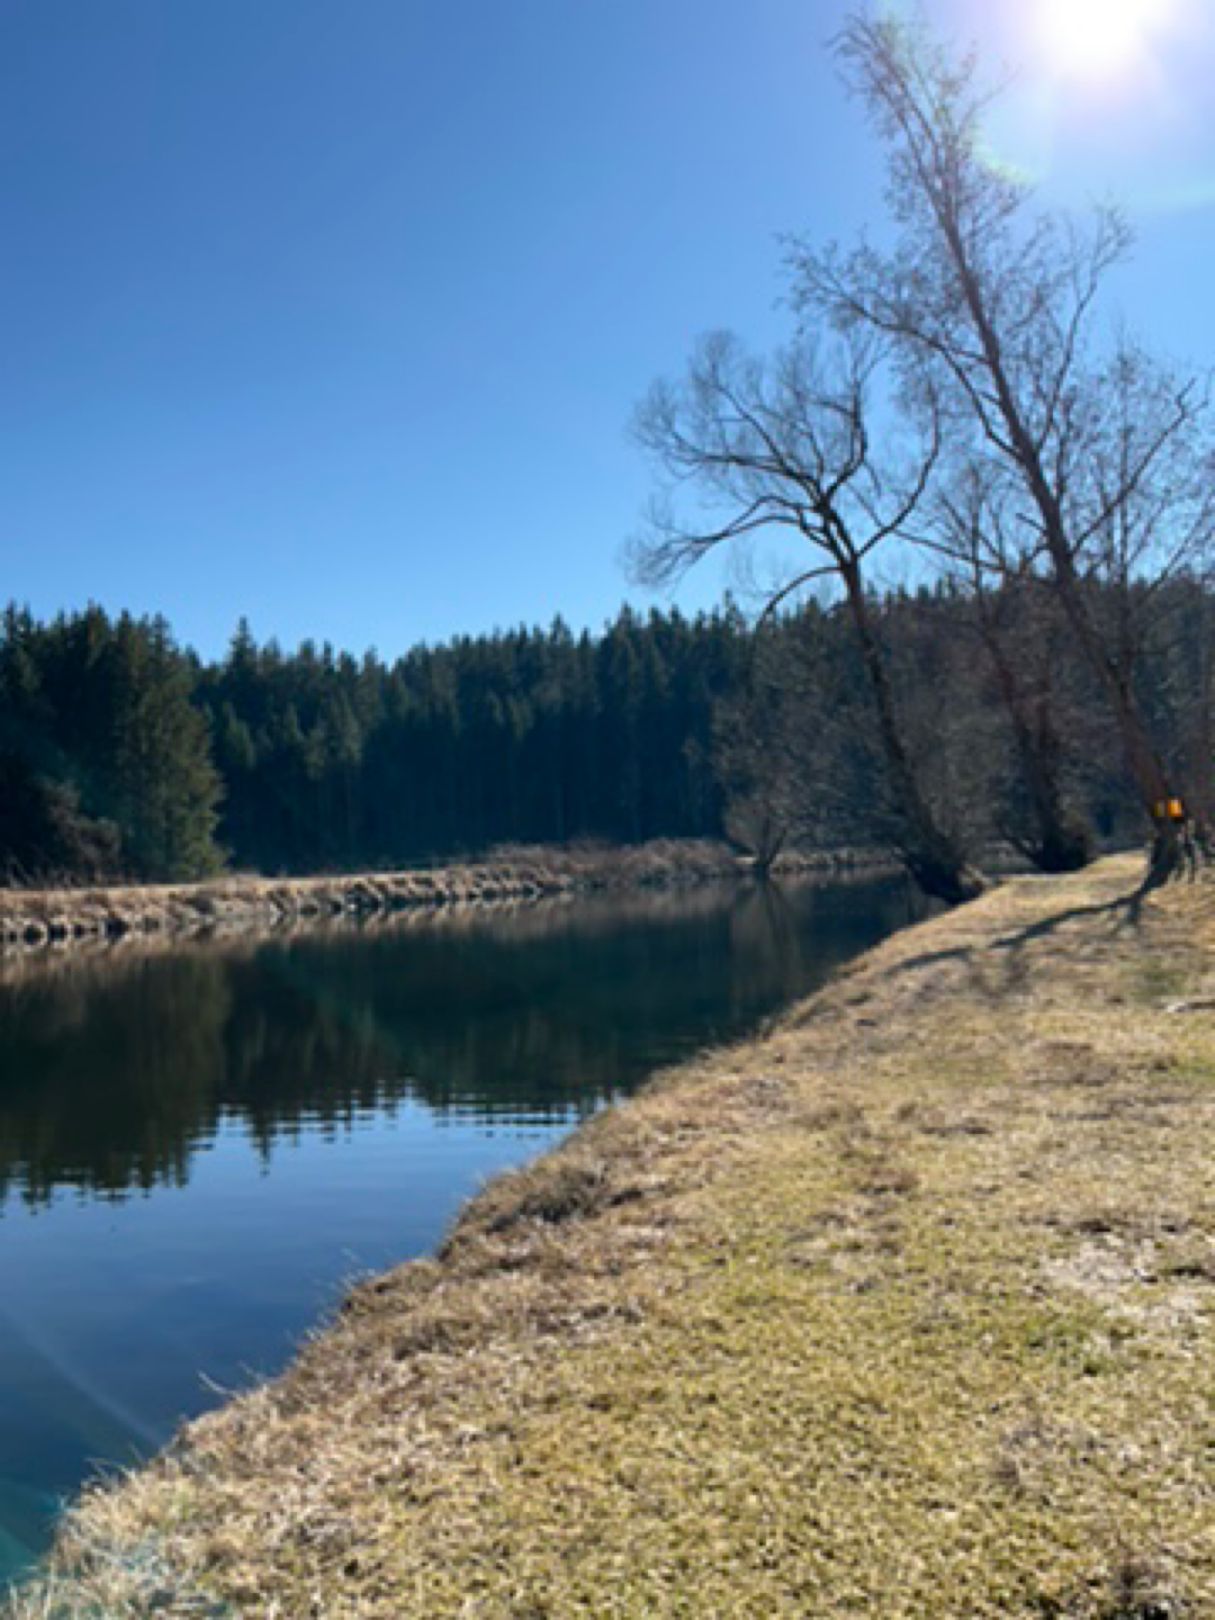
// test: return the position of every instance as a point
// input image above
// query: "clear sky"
(334, 314)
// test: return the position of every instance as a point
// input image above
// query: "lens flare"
(1104, 99)
(1098, 40)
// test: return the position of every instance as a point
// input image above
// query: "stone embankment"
(33, 919)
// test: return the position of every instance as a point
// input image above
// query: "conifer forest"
(125, 756)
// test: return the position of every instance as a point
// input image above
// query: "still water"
(201, 1146)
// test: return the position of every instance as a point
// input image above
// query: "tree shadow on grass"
(1124, 912)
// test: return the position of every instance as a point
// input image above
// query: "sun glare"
(1098, 40)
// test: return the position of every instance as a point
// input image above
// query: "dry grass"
(906, 1310)
(34, 919)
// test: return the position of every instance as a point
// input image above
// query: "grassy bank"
(907, 1309)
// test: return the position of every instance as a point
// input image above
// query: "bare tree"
(1181, 686)
(1143, 501)
(757, 760)
(794, 745)
(1018, 627)
(786, 447)
(994, 305)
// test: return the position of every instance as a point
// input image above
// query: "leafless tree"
(993, 304)
(786, 447)
(1144, 495)
(757, 760)
(1018, 626)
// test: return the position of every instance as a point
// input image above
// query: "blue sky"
(335, 315)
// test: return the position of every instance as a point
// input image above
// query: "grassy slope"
(907, 1310)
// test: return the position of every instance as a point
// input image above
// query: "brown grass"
(907, 1310)
(34, 919)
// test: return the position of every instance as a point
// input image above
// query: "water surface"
(201, 1145)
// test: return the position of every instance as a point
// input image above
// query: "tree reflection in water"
(116, 1068)
(401, 1061)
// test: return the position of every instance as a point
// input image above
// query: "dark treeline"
(125, 756)
(105, 752)
(524, 736)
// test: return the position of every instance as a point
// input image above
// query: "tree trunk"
(929, 853)
(1168, 855)
(1143, 761)
(1062, 843)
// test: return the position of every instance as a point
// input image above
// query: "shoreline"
(905, 1308)
(33, 919)
(524, 919)
(40, 920)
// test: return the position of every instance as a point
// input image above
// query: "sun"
(1098, 40)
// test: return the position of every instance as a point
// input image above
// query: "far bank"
(33, 919)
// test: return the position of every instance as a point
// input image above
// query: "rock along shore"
(32, 919)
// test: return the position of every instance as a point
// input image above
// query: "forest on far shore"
(126, 756)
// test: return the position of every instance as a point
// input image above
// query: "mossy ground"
(907, 1309)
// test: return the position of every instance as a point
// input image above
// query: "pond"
(203, 1144)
